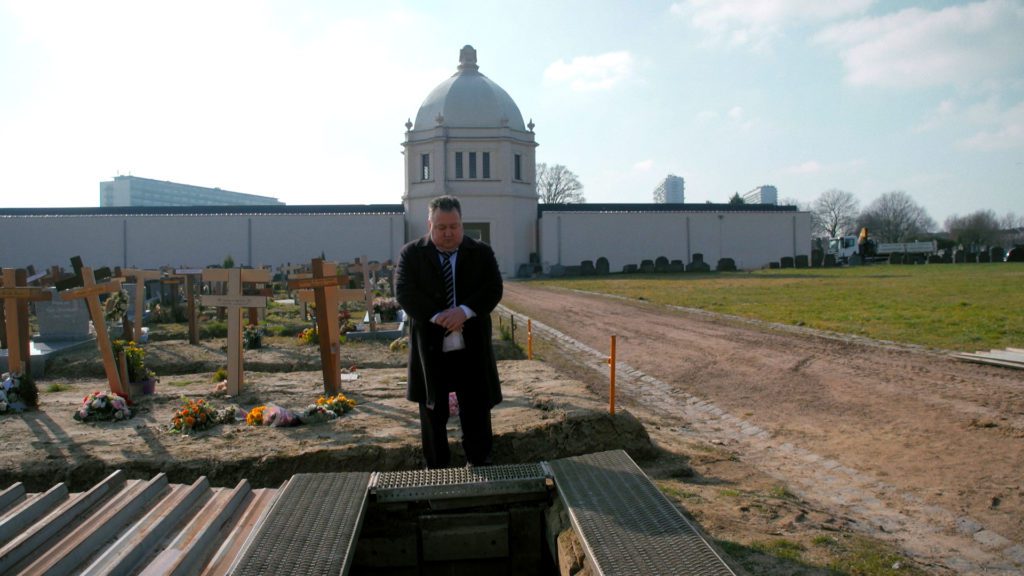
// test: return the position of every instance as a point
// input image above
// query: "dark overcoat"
(421, 292)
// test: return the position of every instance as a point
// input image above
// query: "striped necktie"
(449, 277)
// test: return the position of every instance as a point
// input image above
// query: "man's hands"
(451, 319)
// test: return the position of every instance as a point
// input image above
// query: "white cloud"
(1004, 128)
(755, 24)
(586, 73)
(959, 45)
(808, 167)
(643, 165)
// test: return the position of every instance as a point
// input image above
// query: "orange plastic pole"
(529, 339)
(611, 380)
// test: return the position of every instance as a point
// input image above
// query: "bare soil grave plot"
(800, 435)
(545, 415)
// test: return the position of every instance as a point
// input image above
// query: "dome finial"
(467, 58)
(408, 124)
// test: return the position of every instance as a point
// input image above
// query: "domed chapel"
(468, 139)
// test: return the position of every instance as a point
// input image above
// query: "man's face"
(445, 229)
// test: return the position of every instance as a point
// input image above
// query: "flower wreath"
(101, 406)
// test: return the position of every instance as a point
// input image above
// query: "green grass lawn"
(956, 307)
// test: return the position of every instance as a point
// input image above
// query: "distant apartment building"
(670, 191)
(762, 195)
(135, 191)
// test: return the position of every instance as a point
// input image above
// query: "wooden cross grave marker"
(323, 287)
(90, 292)
(16, 296)
(191, 276)
(363, 266)
(234, 301)
(140, 277)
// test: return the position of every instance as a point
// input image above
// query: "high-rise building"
(135, 191)
(670, 191)
(766, 194)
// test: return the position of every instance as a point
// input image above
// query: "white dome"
(469, 100)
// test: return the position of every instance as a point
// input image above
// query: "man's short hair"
(445, 204)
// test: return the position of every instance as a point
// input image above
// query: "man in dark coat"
(450, 332)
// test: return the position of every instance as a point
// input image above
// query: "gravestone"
(698, 264)
(587, 268)
(786, 262)
(801, 261)
(629, 269)
(602, 266)
(556, 271)
(676, 266)
(661, 264)
(61, 320)
(646, 266)
(726, 265)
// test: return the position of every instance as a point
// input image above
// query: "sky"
(306, 101)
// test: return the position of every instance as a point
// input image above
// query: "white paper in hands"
(453, 341)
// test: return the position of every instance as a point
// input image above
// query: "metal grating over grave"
(311, 528)
(626, 525)
(313, 523)
(415, 485)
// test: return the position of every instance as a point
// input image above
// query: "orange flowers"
(194, 415)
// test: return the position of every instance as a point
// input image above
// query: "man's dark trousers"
(474, 417)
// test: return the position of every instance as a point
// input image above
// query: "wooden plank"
(27, 542)
(29, 293)
(185, 554)
(249, 275)
(31, 511)
(93, 290)
(257, 507)
(986, 360)
(89, 537)
(123, 556)
(11, 496)
(229, 300)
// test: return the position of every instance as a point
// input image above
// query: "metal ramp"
(625, 524)
(312, 527)
(451, 483)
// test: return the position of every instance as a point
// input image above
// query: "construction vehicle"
(845, 247)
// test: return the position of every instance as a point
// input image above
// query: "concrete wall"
(752, 239)
(195, 241)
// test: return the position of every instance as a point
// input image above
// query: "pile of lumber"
(1010, 357)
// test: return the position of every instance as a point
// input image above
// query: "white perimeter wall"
(196, 241)
(752, 239)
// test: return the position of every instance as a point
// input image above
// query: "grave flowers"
(387, 307)
(17, 393)
(252, 337)
(271, 415)
(102, 406)
(317, 414)
(196, 415)
(338, 404)
(135, 361)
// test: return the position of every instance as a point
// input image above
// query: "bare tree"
(896, 217)
(834, 213)
(980, 228)
(1012, 227)
(558, 185)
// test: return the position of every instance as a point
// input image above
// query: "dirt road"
(907, 444)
